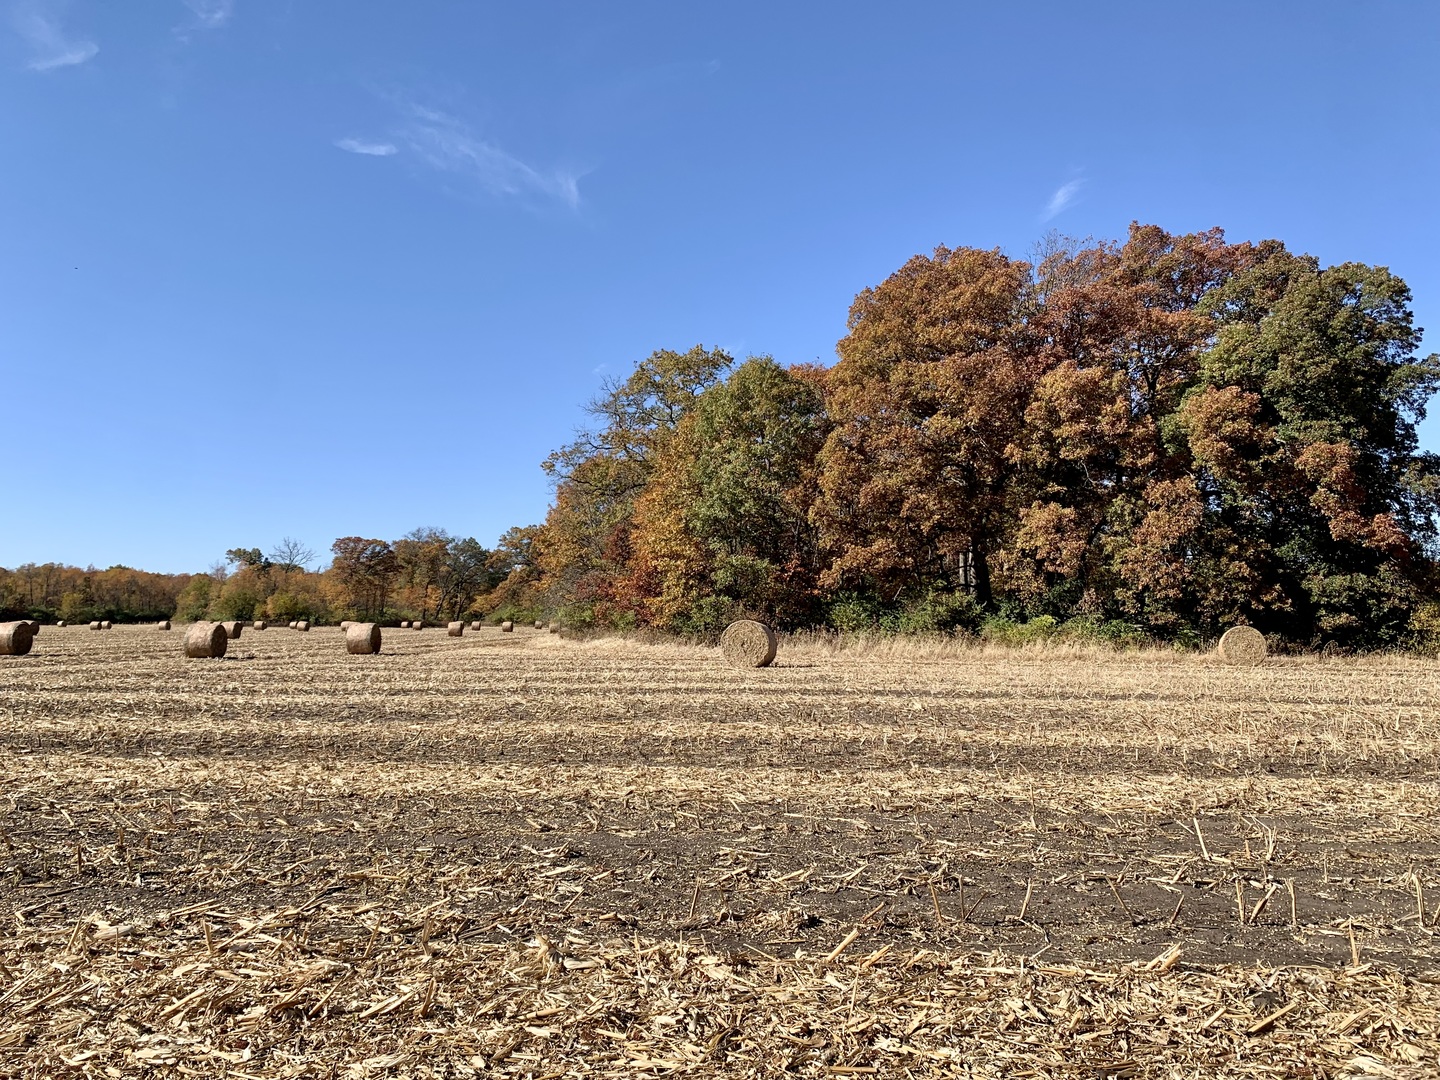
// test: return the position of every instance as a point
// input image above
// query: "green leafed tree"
(723, 527)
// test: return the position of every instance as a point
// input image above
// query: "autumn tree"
(930, 392)
(723, 526)
(584, 549)
(422, 555)
(1120, 332)
(365, 570)
(1302, 432)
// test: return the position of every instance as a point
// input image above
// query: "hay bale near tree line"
(95, 625)
(206, 641)
(34, 625)
(362, 638)
(748, 644)
(1243, 645)
(163, 624)
(507, 627)
(475, 624)
(61, 623)
(455, 629)
(303, 626)
(258, 624)
(16, 638)
(106, 624)
(232, 628)
(417, 624)
(554, 628)
(404, 624)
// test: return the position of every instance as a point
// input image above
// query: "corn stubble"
(523, 855)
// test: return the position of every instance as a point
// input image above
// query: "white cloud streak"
(211, 14)
(1063, 197)
(372, 149)
(448, 145)
(51, 48)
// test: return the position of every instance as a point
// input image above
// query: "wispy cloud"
(211, 14)
(51, 48)
(373, 149)
(1063, 197)
(448, 144)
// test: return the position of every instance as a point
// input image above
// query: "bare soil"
(463, 810)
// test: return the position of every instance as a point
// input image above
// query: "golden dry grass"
(522, 855)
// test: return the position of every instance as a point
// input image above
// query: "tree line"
(426, 574)
(1154, 438)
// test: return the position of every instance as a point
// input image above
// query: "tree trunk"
(983, 595)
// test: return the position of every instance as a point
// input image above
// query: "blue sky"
(325, 267)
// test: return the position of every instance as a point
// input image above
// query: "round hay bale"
(475, 624)
(292, 625)
(1242, 645)
(554, 629)
(206, 641)
(232, 628)
(16, 638)
(34, 625)
(106, 624)
(539, 624)
(417, 624)
(404, 624)
(455, 629)
(303, 626)
(748, 644)
(259, 624)
(362, 638)
(61, 623)
(163, 624)
(507, 627)
(95, 625)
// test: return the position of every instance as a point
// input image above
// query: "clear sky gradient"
(329, 267)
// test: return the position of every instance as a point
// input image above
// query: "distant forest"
(1129, 441)
(427, 574)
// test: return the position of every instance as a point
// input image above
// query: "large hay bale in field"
(417, 624)
(163, 624)
(206, 641)
(259, 624)
(292, 624)
(362, 638)
(475, 624)
(539, 624)
(61, 623)
(404, 624)
(106, 624)
(16, 638)
(1243, 645)
(554, 629)
(34, 625)
(748, 644)
(303, 626)
(95, 625)
(232, 628)
(455, 629)
(507, 627)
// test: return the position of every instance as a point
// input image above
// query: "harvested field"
(521, 855)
